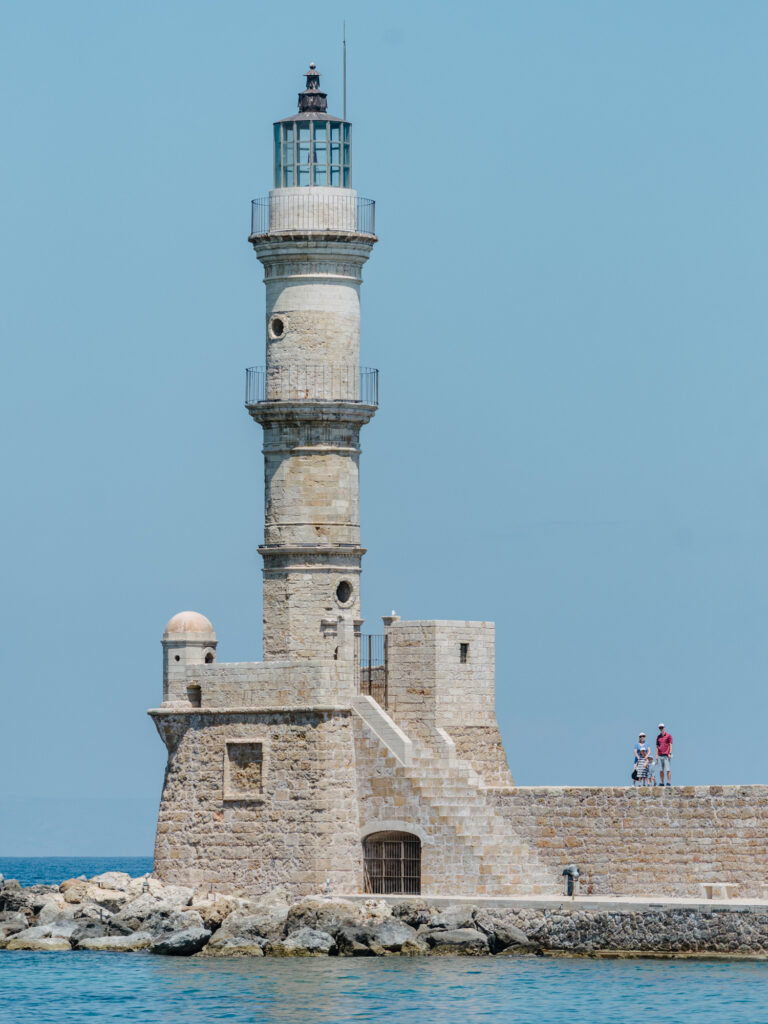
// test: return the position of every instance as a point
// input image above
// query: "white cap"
(661, 725)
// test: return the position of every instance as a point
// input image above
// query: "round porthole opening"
(276, 327)
(344, 592)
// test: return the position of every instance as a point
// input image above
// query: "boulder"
(118, 943)
(241, 935)
(464, 941)
(16, 900)
(119, 880)
(451, 918)
(177, 895)
(12, 922)
(55, 910)
(214, 912)
(413, 911)
(161, 924)
(501, 931)
(183, 943)
(87, 930)
(271, 910)
(323, 914)
(415, 947)
(142, 907)
(374, 938)
(38, 943)
(89, 892)
(304, 942)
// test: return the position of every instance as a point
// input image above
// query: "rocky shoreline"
(113, 911)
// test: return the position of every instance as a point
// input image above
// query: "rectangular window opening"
(463, 653)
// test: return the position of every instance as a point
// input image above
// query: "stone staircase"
(492, 859)
(476, 850)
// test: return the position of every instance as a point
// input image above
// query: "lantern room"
(313, 147)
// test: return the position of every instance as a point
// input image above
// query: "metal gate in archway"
(392, 863)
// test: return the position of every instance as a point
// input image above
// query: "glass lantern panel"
(335, 129)
(346, 155)
(320, 172)
(288, 133)
(302, 155)
(335, 175)
(303, 132)
(346, 177)
(278, 165)
(321, 155)
(288, 175)
(335, 153)
(346, 133)
(303, 174)
(318, 130)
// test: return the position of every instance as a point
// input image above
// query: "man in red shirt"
(664, 754)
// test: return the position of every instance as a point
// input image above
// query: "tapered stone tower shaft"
(312, 234)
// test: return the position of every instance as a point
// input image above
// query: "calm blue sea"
(138, 988)
(69, 988)
(53, 870)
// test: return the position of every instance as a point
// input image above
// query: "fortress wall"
(481, 747)
(649, 841)
(254, 801)
(272, 684)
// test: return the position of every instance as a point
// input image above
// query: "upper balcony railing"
(311, 383)
(302, 210)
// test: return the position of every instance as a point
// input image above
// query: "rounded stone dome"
(190, 622)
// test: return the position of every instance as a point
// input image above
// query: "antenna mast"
(345, 69)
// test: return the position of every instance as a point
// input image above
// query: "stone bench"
(719, 890)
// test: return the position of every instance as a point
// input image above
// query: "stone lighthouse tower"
(312, 234)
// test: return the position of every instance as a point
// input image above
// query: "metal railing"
(313, 211)
(371, 666)
(312, 383)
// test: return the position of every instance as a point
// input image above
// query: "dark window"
(344, 592)
(463, 653)
(209, 658)
(392, 863)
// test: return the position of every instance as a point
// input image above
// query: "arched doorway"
(392, 863)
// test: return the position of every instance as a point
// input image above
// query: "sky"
(567, 306)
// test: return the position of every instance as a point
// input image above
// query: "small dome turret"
(189, 622)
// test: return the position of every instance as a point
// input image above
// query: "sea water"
(70, 988)
(139, 988)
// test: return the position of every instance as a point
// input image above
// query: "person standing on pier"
(664, 755)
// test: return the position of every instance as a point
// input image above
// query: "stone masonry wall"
(298, 829)
(430, 688)
(653, 841)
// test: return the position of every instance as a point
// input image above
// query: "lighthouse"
(312, 235)
(363, 762)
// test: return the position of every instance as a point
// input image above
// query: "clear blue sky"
(568, 309)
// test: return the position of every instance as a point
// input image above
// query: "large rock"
(464, 941)
(119, 880)
(451, 918)
(177, 895)
(89, 892)
(12, 922)
(215, 911)
(242, 935)
(55, 910)
(118, 943)
(304, 942)
(413, 911)
(271, 911)
(183, 943)
(162, 923)
(323, 914)
(38, 943)
(502, 933)
(141, 908)
(374, 938)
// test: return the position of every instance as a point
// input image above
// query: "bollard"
(571, 873)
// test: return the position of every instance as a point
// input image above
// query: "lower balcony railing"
(312, 383)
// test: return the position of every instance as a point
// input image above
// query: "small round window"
(344, 592)
(276, 327)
